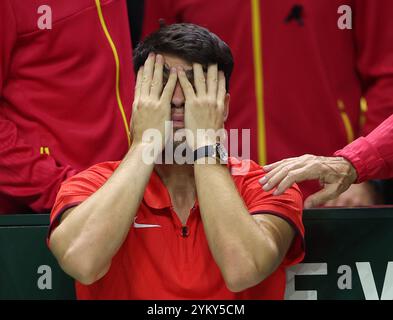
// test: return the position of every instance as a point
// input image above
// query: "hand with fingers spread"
(152, 103)
(205, 107)
(334, 173)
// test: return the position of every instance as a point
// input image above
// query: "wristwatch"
(216, 151)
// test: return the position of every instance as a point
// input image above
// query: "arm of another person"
(90, 234)
(372, 156)
(366, 158)
(375, 69)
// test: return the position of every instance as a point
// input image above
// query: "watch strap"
(205, 151)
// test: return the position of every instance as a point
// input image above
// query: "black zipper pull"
(296, 14)
(184, 231)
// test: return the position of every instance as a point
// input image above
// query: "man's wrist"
(211, 154)
(143, 151)
(207, 160)
(140, 145)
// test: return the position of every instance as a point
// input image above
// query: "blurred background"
(309, 77)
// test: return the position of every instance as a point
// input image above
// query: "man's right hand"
(152, 104)
(334, 173)
(91, 233)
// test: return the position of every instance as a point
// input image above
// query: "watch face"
(222, 152)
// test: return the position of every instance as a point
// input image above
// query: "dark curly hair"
(190, 42)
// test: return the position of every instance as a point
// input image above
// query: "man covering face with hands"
(193, 102)
(204, 229)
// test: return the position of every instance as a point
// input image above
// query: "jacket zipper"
(346, 121)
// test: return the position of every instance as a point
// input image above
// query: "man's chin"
(179, 134)
(178, 143)
(176, 149)
(178, 127)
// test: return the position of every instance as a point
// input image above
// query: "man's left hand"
(204, 107)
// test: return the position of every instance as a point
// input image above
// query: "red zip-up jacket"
(61, 107)
(301, 85)
(372, 156)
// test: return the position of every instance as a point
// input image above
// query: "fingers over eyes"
(138, 86)
(199, 79)
(156, 84)
(188, 90)
(212, 81)
(148, 74)
(169, 87)
(221, 89)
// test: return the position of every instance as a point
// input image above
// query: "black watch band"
(216, 151)
(204, 152)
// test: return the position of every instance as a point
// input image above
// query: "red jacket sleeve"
(372, 156)
(373, 26)
(28, 178)
(156, 10)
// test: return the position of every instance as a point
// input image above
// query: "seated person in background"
(136, 229)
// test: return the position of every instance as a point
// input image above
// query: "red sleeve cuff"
(364, 158)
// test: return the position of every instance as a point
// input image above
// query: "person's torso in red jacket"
(61, 86)
(60, 89)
